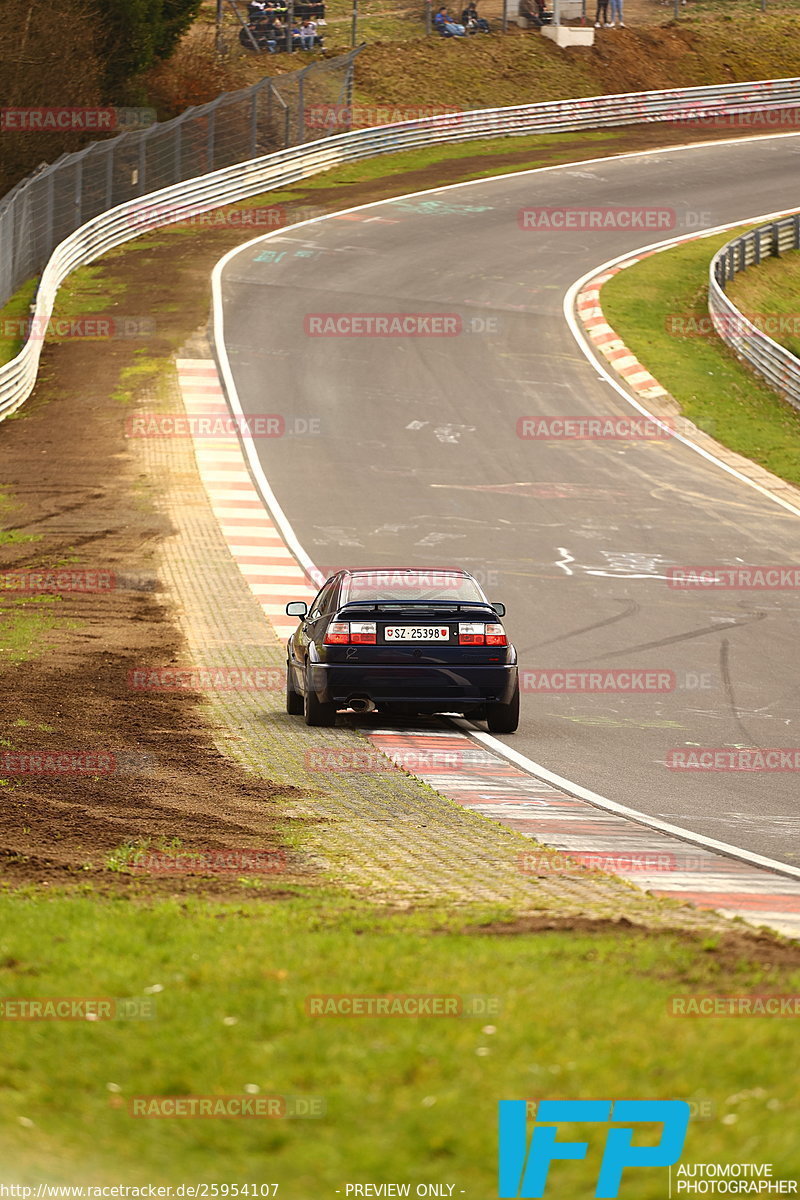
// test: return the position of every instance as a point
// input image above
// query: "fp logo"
(523, 1170)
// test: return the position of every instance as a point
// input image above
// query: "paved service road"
(418, 462)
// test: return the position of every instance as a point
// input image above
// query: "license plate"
(416, 633)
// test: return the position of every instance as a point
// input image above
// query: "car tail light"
(477, 634)
(351, 633)
(363, 633)
(496, 636)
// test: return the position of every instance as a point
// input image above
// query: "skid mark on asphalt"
(482, 781)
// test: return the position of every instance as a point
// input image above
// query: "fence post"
(776, 240)
(254, 124)
(210, 139)
(178, 163)
(51, 189)
(301, 130)
(78, 193)
(110, 174)
(142, 165)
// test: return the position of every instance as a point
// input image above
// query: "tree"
(133, 35)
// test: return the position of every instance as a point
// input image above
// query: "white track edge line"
(282, 521)
(594, 798)
(579, 334)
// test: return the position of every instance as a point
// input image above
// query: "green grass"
(24, 626)
(772, 288)
(17, 309)
(714, 390)
(406, 1098)
(416, 160)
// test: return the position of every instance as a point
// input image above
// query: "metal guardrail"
(55, 200)
(777, 365)
(688, 106)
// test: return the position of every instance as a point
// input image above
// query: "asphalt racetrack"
(417, 461)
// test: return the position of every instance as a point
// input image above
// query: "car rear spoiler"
(383, 605)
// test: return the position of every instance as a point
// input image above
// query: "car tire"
(504, 718)
(294, 701)
(315, 712)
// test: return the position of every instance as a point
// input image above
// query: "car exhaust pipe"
(360, 704)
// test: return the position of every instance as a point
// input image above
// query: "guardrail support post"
(776, 240)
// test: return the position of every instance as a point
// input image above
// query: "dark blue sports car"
(402, 640)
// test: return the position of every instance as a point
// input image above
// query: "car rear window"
(412, 585)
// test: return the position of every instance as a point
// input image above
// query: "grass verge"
(407, 1098)
(772, 289)
(649, 305)
(14, 316)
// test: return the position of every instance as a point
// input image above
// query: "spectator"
(616, 13)
(602, 11)
(255, 9)
(297, 39)
(308, 33)
(271, 34)
(471, 21)
(533, 11)
(447, 26)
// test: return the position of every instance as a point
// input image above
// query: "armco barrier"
(686, 106)
(773, 362)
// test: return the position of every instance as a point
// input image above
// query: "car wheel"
(504, 718)
(315, 712)
(294, 701)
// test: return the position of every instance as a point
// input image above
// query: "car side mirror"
(296, 608)
(500, 609)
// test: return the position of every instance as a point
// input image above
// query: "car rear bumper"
(428, 688)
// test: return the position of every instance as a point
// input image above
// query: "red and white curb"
(453, 763)
(271, 570)
(607, 341)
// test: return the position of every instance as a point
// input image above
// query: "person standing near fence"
(616, 13)
(601, 16)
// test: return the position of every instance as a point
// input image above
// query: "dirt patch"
(74, 485)
(726, 950)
